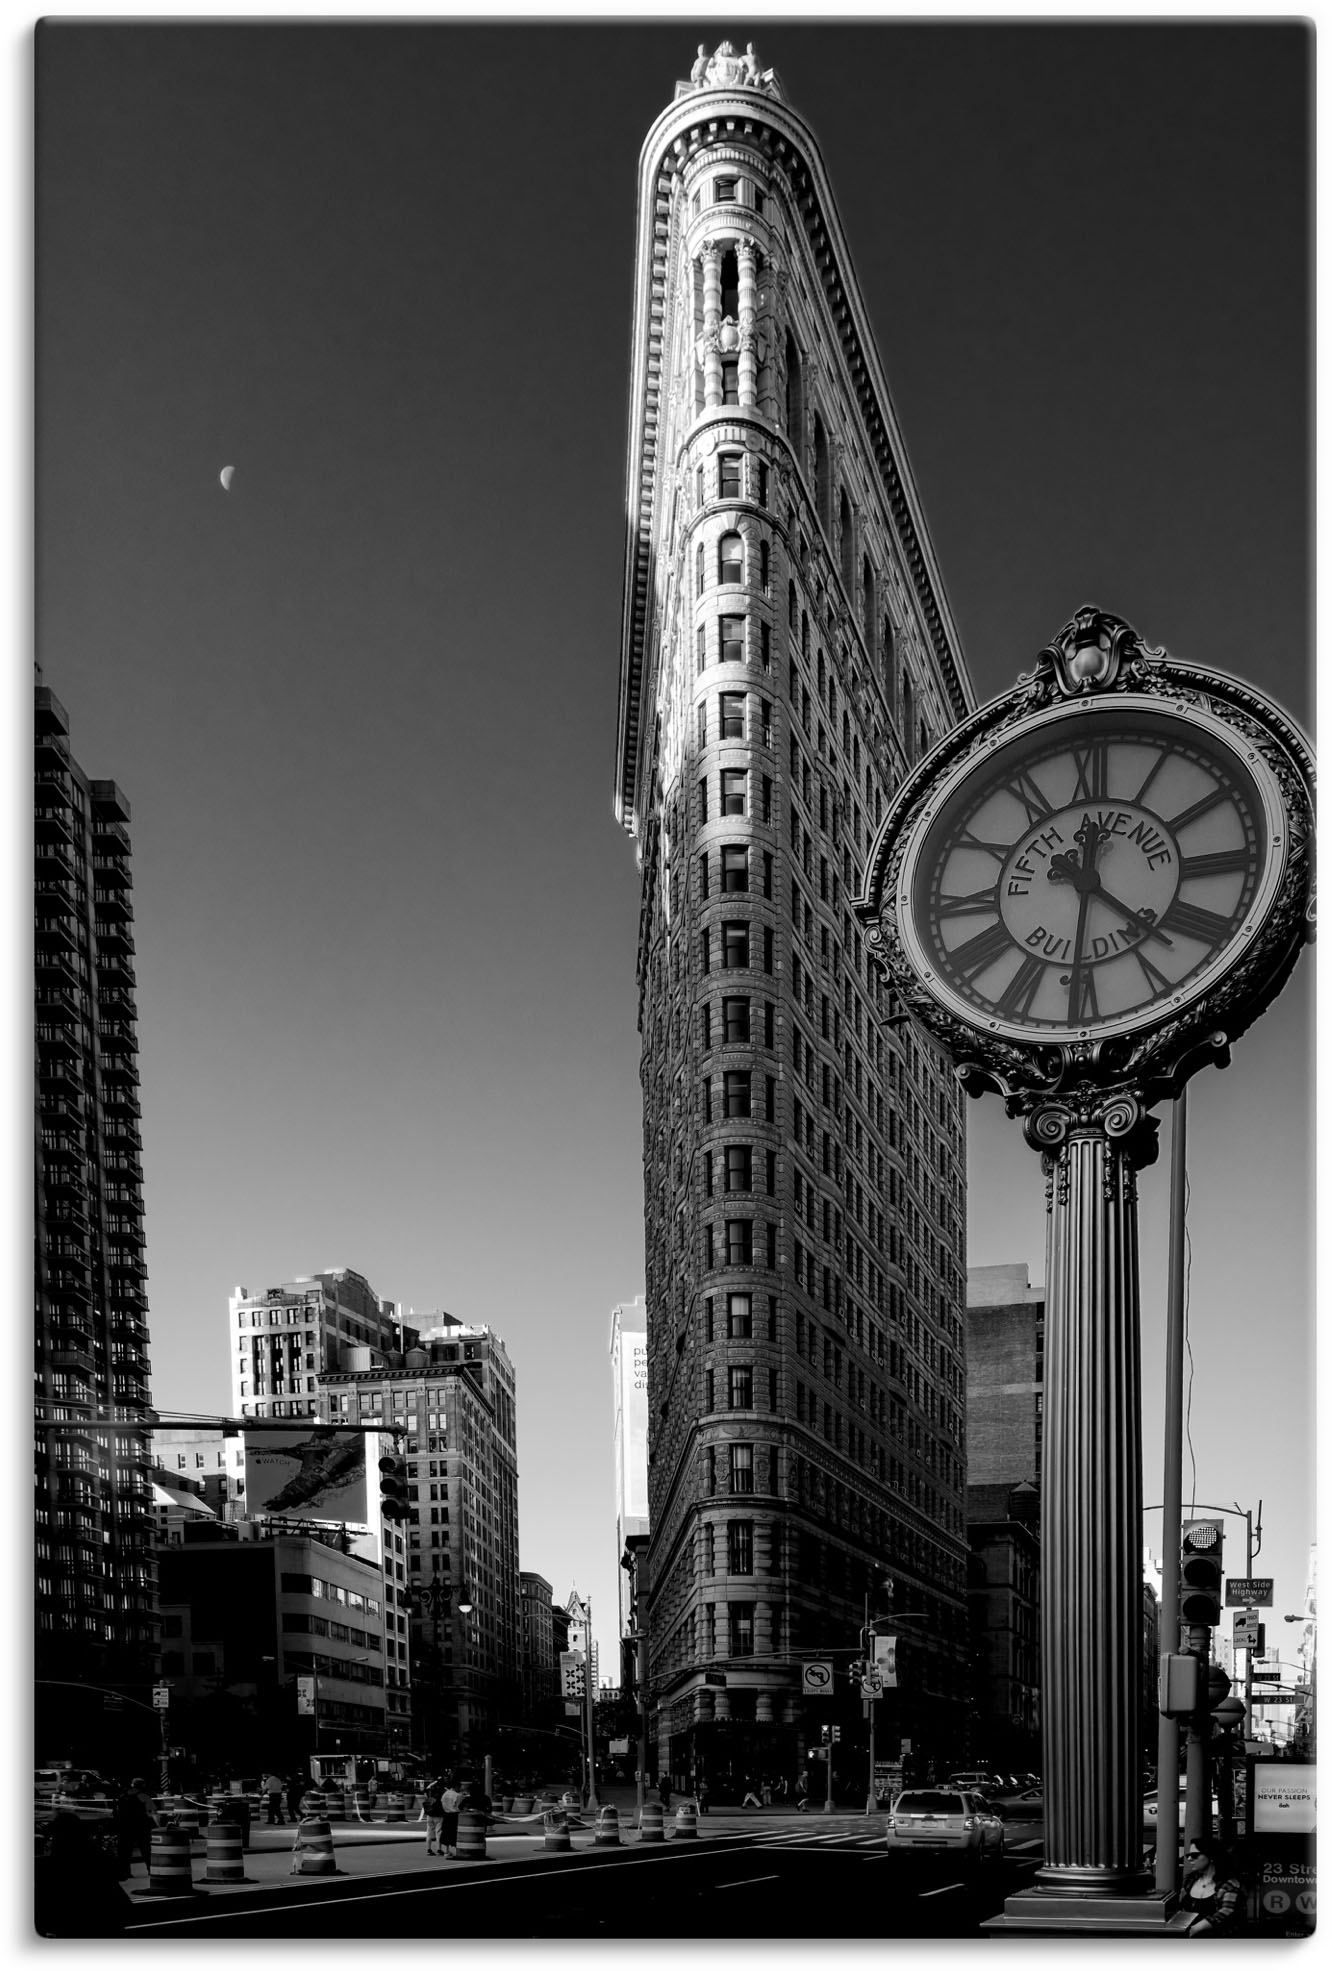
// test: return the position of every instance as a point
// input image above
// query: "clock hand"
(1135, 917)
(1075, 975)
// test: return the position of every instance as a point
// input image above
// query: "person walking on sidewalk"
(702, 1795)
(802, 1794)
(273, 1790)
(751, 1798)
(132, 1817)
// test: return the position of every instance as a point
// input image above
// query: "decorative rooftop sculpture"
(728, 70)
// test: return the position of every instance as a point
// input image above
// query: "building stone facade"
(450, 1391)
(787, 654)
(285, 1337)
(540, 1676)
(95, 1574)
(1005, 1375)
(628, 1356)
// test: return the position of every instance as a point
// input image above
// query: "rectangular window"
(704, 950)
(769, 1095)
(772, 1173)
(732, 632)
(767, 948)
(765, 636)
(723, 191)
(736, 1086)
(742, 1467)
(769, 1021)
(705, 1028)
(735, 946)
(703, 875)
(707, 1318)
(730, 475)
(732, 714)
(739, 1546)
(709, 1390)
(733, 790)
(734, 867)
(702, 723)
(763, 470)
(741, 1629)
(740, 1386)
(730, 383)
(739, 1241)
(739, 1317)
(772, 1248)
(735, 1020)
(739, 1167)
(767, 869)
(703, 799)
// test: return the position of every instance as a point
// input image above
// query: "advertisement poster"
(314, 1473)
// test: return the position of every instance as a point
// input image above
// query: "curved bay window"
(731, 559)
(742, 1468)
(739, 1241)
(735, 867)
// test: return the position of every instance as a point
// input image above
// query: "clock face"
(1092, 872)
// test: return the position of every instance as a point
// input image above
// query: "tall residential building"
(787, 654)
(540, 1678)
(95, 1581)
(450, 1391)
(628, 1355)
(282, 1339)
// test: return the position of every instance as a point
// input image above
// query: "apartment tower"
(95, 1574)
(787, 654)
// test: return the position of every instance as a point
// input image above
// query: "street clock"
(1098, 874)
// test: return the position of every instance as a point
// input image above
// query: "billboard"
(313, 1473)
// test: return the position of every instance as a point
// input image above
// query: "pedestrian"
(664, 1792)
(132, 1817)
(1213, 1892)
(273, 1786)
(434, 1817)
(766, 1791)
(802, 1793)
(452, 1806)
(295, 1795)
(703, 1795)
(751, 1797)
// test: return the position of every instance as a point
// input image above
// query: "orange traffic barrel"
(169, 1863)
(222, 1852)
(314, 1847)
(556, 1823)
(608, 1828)
(651, 1822)
(686, 1821)
(471, 1836)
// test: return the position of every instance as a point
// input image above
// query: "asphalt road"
(789, 1878)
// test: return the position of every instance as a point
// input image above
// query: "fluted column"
(712, 368)
(1091, 1500)
(748, 368)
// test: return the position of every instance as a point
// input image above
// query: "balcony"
(113, 905)
(113, 936)
(53, 823)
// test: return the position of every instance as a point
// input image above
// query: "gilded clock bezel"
(1121, 708)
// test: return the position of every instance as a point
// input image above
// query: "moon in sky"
(226, 475)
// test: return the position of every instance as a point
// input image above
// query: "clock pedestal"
(1091, 1522)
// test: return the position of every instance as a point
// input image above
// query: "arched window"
(795, 397)
(848, 543)
(731, 559)
(699, 579)
(822, 475)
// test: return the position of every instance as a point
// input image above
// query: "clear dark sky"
(363, 704)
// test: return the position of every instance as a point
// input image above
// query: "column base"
(1056, 1913)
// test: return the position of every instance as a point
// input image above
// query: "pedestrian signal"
(393, 1502)
(1200, 1578)
(836, 1734)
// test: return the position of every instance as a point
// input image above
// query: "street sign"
(871, 1687)
(1278, 1697)
(816, 1679)
(112, 1702)
(306, 1697)
(1247, 1630)
(161, 1697)
(1249, 1591)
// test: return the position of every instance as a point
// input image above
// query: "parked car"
(968, 1781)
(1029, 1804)
(945, 1820)
(79, 1782)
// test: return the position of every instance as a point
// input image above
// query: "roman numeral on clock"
(1024, 789)
(1092, 763)
(980, 951)
(1222, 862)
(1017, 995)
(1082, 1002)
(1190, 920)
(966, 906)
(1199, 808)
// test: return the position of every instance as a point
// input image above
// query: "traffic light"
(836, 1734)
(856, 1672)
(393, 1487)
(1200, 1579)
(825, 1733)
